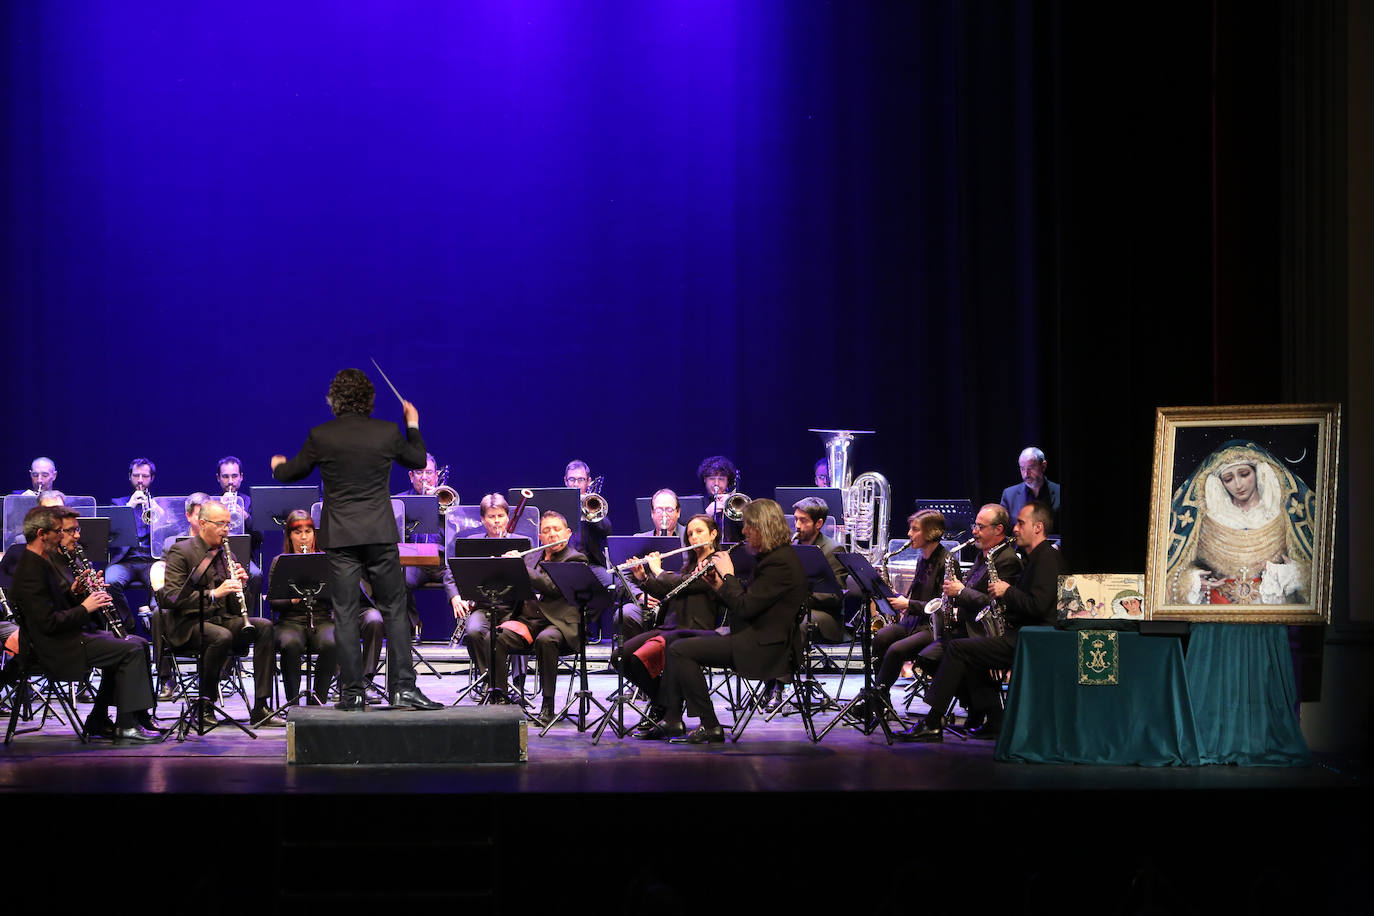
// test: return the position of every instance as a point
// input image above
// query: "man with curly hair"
(354, 453)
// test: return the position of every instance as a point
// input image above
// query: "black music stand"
(579, 585)
(501, 581)
(563, 500)
(866, 578)
(275, 503)
(123, 526)
(421, 515)
(477, 547)
(306, 576)
(95, 538)
(821, 579)
(614, 716)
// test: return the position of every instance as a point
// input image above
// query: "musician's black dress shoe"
(923, 731)
(144, 720)
(543, 718)
(135, 734)
(662, 731)
(262, 717)
(99, 727)
(352, 702)
(702, 734)
(168, 691)
(412, 698)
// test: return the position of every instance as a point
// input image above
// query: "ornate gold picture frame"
(1243, 513)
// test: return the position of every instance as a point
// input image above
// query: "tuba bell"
(867, 501)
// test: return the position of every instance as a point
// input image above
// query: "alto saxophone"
(942, 616)
(991, 617)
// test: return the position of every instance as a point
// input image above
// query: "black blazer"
(51, 616)
(354, 454)
(762, 617)
(179, 598)
(552, 606)
(1030, 602)
(975, 595)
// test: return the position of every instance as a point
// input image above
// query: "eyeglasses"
(217, 524)
(979, 526)
(75, 530)
(574, 481)
(664, 510)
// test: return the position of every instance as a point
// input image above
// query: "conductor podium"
(456, 735)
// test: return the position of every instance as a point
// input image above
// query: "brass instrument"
(234, 506)
(448, 497)
(879, 617)
(867, 505)
(992, 618)
(232, 565)
(90, 580)
(594, 506)
(152, 512)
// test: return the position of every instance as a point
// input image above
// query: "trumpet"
(594, 507)
(631, 564)
(448, 497)
(151, 510)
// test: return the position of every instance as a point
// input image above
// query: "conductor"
(354, 453)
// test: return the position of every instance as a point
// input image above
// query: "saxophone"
(991, 617)
(89, 580)
(942, 610)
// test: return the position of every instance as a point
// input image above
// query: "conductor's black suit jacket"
(354, 454)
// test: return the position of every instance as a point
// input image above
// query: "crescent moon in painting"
(1297, 459)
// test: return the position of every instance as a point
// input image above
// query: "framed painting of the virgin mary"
(1243, 513)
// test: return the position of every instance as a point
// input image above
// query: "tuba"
(867, 509)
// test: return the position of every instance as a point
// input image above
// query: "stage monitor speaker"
(474, 734)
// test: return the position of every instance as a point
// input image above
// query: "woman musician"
(299, 629)
(474, 615)
(692, 610)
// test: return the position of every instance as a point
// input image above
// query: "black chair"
(45, 692)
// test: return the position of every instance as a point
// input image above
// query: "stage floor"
(770, 757)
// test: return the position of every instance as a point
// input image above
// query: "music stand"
(469, 547)
(306, 576)
(563, 500)
(123, 527)
(833, 497)
(821, 579)
(275, 503)
(618, 550)
(502, 582)
(958, 513)
(95, 538)
(421, 515)
(691, 505)
(866, 578)
(580, 586)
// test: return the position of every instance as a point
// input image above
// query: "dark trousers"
(965, 669)
(124, 676)
(476, 636)
(549, 644)
(133, 571)
(227, 634)
(894, 646)
(826, 626)
(294, 638)
(381, 563)
(684, 676)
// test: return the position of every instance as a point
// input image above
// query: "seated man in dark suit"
(130, 565)
(1030, 602)
(198, 576)
(1034, 486)
(826, 607)
(549, 625)
(57, 626)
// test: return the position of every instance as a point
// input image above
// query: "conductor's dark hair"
(717, 464)
(351, 392)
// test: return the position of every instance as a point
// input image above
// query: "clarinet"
(701, 570)
(6, 613)
(90, 580)
(232, 565)
(991, 617)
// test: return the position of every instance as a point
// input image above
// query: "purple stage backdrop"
(634, 233)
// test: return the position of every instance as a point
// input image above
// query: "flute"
(631, 564)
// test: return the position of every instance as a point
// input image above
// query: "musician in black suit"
(1030, 602)
(354, 453)
(130, 565)
(198, 577)
(1034, 486)
(548, 625)
(760, 619)
(58, 627)
(827, 608)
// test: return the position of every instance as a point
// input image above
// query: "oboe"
(90, 580)
(232, 565)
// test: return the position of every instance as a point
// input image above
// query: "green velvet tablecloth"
(1146, 719)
